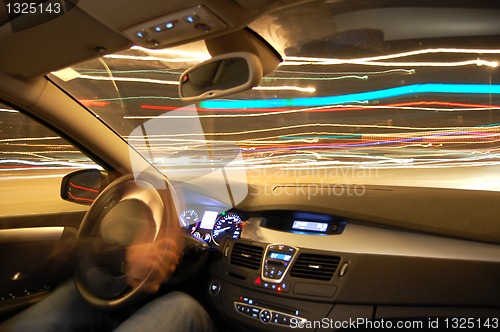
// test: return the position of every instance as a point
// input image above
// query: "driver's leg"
(62, 310)
(175, 311)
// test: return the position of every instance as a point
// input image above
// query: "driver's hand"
(160, 258)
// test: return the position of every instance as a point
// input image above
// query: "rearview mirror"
(83, 186)
(221, 76)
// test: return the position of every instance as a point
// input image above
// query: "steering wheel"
(128, 208)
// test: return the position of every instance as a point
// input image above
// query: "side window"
(33, 161)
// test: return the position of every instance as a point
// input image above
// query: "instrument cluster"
(212, 226)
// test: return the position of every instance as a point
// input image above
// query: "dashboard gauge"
(207, 237)
(226, 225)
(190, 220)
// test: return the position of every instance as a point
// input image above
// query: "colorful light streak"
(325, 147)
(473, 135)
(285, 88)
(137, 71)
(371, 61)
(127, 79)
(375, 61)
(362, 96)
(120, 99)
(6, 110)
(201, 56)
(476, 62)
(267, 112)
(316, 78)
(94, 103)
(154, 58)
(343, 108)
(405, 54)
(83, 188)
(22, 139)
(5, 162)
(356, 73)
(83, 199)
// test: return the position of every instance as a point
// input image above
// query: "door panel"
(37, 227)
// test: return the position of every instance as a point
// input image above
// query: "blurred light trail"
(22, 139)
(375, 61)
(130, 98)
(477, 62)
(6, 110)
(342, 99)
(152, 58)
(94, 103)
(331, 73)
(284, 88)
(84, 71)
(200, 56)
(5, 163)
(341, 108)
(127, 79)
(336, 78)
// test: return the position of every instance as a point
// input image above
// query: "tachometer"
(190, 220)
(226, 225)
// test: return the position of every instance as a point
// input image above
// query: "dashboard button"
(257, 281)
(255, 313)
(265, 316)
(285, 287)
(214, 288)
(285, 320)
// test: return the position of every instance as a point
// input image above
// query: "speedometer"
(226, 225)
(190, 220)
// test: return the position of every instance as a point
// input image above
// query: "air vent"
(318, 267)
(246, 255)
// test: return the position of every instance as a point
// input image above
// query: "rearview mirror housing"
(221, 76)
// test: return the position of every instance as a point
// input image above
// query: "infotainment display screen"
(311, 226)
(280, 256)
(208, 220)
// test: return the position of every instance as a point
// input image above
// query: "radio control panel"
(277, 261)
(248, 307)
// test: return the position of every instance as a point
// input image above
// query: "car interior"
(328, 164)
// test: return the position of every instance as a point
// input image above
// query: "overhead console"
(185, 24)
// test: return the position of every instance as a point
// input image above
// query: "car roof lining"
(94, 28)
(70, 38)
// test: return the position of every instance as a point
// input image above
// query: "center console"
(274, 286)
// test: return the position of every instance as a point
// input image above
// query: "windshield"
(397, 95)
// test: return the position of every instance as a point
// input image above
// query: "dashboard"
(293, 269)
(208, 224)
(276, 266)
